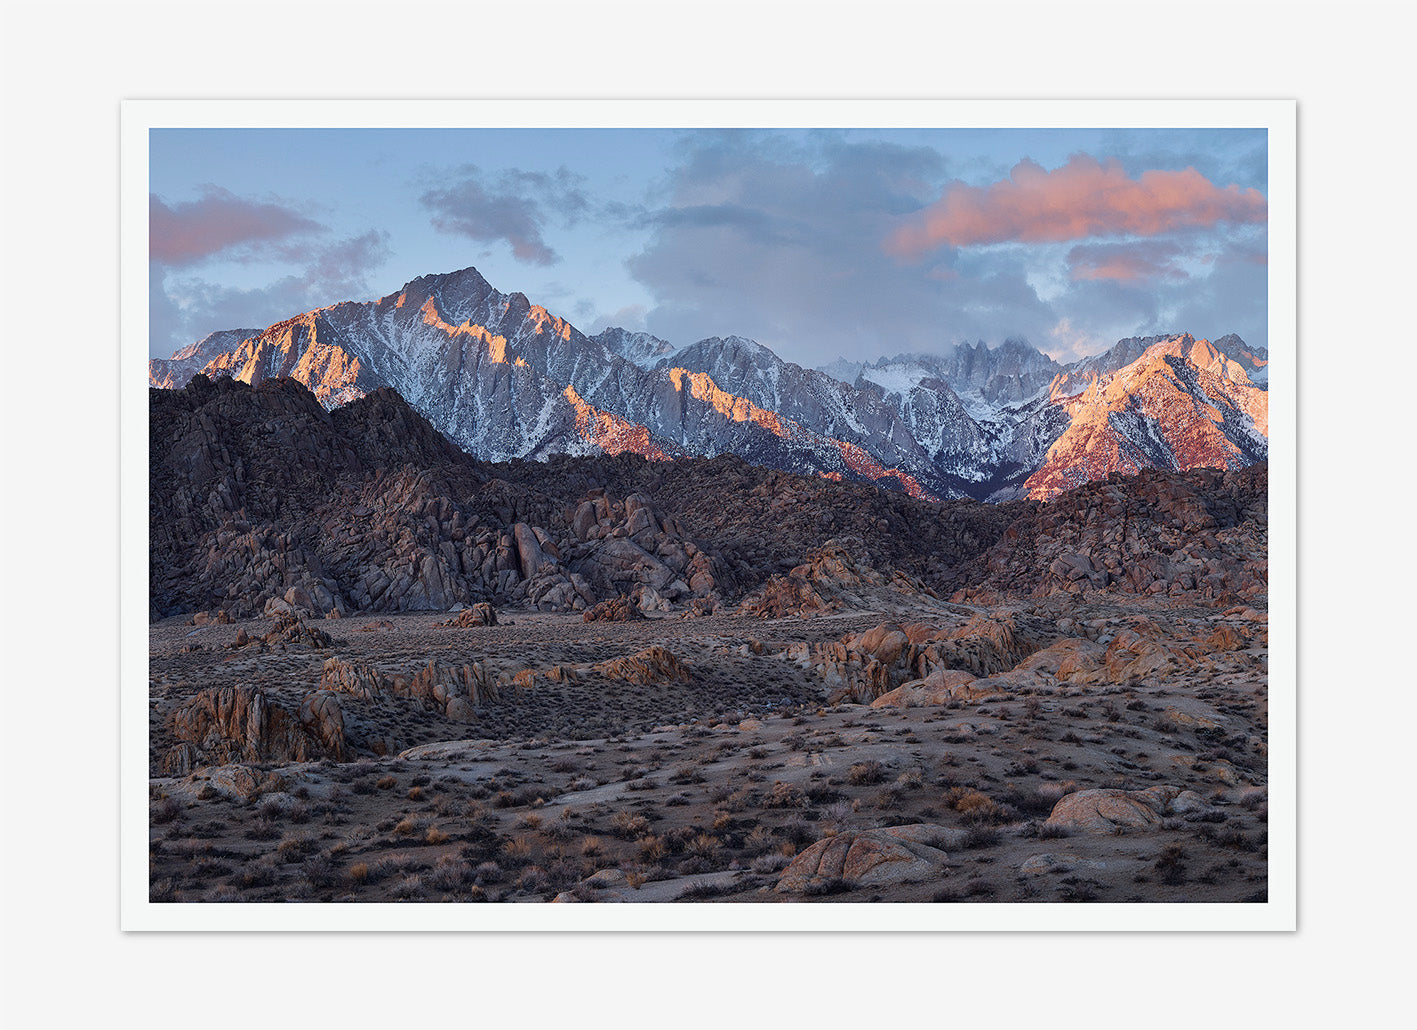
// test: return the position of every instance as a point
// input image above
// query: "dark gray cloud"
(514, 206)
(1233, 298)
(784, 242)
(1197, 284)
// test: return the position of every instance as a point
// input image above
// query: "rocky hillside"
(1202, 535)
(259, 495)
(504, 378)
(1180, 404)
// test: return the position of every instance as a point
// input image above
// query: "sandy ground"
(705, 789)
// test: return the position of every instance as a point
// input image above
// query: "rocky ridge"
(504, 378)
(260, 498)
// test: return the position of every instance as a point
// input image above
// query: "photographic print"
(732, 512)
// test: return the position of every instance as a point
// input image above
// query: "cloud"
(186, 308)
(219, 223)
(515, 207)
(631, 317)
(1233, 298)
(782, 244)
(1067, 343)
(1221, 155)
(1083, 198)
(1138, 261)
(779, 241)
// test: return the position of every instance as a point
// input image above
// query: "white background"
(65, 70)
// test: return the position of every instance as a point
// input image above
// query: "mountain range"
(504, 378)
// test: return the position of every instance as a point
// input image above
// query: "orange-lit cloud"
(1083, 198)
(185, 233)
(1140, 261)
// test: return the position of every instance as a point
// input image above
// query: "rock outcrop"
(918, 663)
(1201, 535)
(654, 664)
(455, 691)
(1105, 810)
(617, 609)
(239, 724)
(265, 502)
(897, 854)
(480, 614)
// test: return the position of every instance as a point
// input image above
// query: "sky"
(820, 243)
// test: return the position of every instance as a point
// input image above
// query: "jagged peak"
(613, 332)
(468, 276)
(732, 348)
(732, 342)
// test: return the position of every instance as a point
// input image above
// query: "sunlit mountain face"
(504, 378)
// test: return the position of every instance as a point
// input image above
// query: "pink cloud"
(185, 233)
(1083, 198)
(1126, 262)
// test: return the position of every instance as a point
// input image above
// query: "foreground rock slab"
(1104, 810)
(896, 854)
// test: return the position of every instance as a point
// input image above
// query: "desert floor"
(576, 786)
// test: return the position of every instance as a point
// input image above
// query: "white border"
(139, 116)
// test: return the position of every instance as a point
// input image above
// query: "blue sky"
(819, 243)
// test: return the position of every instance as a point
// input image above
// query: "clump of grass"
(784, 795)
(652, 848)
(628, 825)
(1170, 865)
(771, 863)
(259, 874)
(704, 845)
(292, 848)
(319, 871)
(911, 779)
(759, 841)
(165, 811)
(863, 774)
(820, 888)
(450, 874)
(408, 888)
(976, 806)
(702, 889)
(798, 831)
(980, 837)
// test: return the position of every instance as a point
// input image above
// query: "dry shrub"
(976, 806)
(628, 825)
(652, 848)
(863, 774)
(785, 795)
